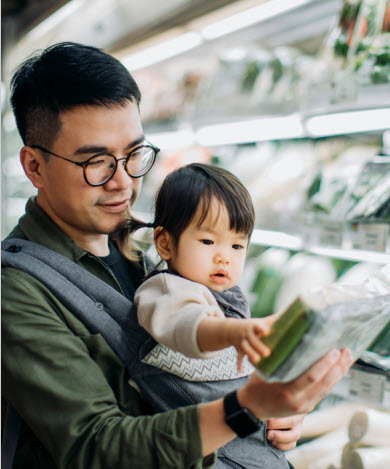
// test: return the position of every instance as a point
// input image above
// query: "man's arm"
(272, 400)
(72, 391)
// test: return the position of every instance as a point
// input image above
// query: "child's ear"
(163, 242)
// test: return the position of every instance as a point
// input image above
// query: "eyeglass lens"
(101, 167)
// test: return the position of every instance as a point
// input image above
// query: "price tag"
(310, 230)
(370, 236)
(367, 386)
(331, 233)
(386, 395)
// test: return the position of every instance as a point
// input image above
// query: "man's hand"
(276, 402)
(284, 432)
(300, 396)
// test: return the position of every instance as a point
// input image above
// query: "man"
(77, 111)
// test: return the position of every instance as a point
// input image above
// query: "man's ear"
(32, 163)
(163, 242)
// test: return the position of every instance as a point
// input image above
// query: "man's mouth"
(115, 206)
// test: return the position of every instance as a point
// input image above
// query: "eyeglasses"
(100, 168)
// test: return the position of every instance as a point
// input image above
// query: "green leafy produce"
(301, 335)
(287, 332)
(383, 56)
(268, 281)
(381, 344)
(250, 75)
(380, 74)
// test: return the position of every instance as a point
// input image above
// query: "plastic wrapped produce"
(328, 419)
(369, 194)
(375, 204)
(303, 272)
(268, 280)
(370, 427)
(368, 458)
(335, 316)
(306, 454)
(332, 459)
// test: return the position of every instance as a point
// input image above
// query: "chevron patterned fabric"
(221, 367)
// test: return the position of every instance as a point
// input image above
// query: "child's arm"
(244, 334)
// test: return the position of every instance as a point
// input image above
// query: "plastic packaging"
(336, 316)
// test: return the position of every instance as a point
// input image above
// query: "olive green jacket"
(69, 386)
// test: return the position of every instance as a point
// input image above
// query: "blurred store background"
(293, 96)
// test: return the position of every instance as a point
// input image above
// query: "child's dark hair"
(193, 186)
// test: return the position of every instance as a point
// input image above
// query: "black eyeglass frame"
(85, 163)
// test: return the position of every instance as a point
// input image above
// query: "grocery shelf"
(366, 384)
(330, 122)
(296, 243)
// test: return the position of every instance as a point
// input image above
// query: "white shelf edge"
(283, 240)
(285, 127)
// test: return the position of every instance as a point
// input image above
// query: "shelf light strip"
(266, 128)
(250, 17)
(276, 238)
(352, 254)
(348, 122)
(55, 19)
(190, 40)
(295, 243)
(163, 51)
(278, 128)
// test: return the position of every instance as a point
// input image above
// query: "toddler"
(197, 317)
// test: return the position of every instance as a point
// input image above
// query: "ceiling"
(20, 16)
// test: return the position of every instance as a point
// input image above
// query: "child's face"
(211, 254)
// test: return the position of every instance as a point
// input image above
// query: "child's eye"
(206, 241)
(238, 246)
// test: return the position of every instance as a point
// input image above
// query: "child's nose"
(221, 258)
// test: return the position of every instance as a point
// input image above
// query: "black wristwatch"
(240, 419)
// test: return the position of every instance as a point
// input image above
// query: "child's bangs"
(235, 200)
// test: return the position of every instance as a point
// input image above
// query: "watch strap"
(240, 419)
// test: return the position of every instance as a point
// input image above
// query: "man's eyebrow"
(102, 149)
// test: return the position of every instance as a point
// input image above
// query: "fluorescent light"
(172, 140)
(276, 238)
(192, 39)
(348, 122)
(352, 254)
(250, 17)
(257, 130)
(163, 51)
(56, 18)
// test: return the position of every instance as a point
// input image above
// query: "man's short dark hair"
(64, 76)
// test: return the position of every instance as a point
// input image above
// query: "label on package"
(370, 236)
(367, 386)
(331, 233)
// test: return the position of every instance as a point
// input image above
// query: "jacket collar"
(38, 227)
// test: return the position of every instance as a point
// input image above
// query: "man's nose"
(121, 180)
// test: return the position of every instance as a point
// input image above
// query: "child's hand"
(244, 335)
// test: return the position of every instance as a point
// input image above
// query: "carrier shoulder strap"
(100, 307)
